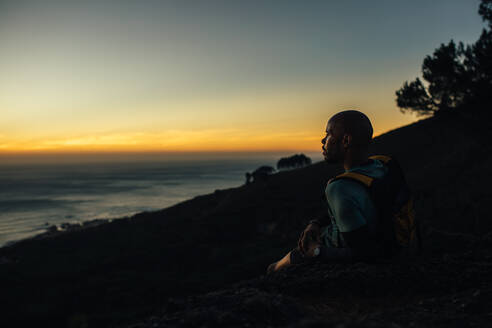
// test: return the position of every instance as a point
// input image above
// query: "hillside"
(120, 272)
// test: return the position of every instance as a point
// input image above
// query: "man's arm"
(351, 223)
(359, 247)
(322, 220)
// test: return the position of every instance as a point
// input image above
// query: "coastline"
(55, 230)
(65, 228)
(35, 197)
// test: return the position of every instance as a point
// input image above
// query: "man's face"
(333, 150)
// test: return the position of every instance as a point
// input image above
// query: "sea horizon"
(35, 195)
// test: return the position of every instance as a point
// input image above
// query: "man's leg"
(296, 257)
(293, 257)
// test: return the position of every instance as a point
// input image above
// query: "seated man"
(350, 231)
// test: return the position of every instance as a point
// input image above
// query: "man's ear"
(346, 140)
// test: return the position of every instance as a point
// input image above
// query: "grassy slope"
(128, 268)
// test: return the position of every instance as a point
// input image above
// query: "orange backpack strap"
(364, 179)
(382, 158)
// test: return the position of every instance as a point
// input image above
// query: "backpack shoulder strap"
(364, 179)
(383, 158)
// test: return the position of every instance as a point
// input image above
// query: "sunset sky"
(209, 75)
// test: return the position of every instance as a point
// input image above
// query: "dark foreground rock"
(450, 290)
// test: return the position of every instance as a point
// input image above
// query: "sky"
(188, 76)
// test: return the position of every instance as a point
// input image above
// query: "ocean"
(34, 196)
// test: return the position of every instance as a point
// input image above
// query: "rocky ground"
(447, 290)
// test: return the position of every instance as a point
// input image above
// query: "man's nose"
(323, 140)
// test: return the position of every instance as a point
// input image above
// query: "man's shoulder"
(347, 187)
(375, 169)
(343, 188)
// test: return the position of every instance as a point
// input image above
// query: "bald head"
(353, 123)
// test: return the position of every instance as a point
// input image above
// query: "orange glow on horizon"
(217, 140)
(225, 140)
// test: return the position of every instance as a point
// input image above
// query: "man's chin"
(331, 160)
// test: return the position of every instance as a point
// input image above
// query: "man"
(350, 231)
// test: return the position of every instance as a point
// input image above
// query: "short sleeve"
(346, 211)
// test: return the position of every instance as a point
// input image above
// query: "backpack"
(398, 227)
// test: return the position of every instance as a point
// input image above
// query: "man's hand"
(309, 239)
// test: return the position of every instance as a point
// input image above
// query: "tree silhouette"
(294, 161)
(260, 173)
(485, 10)
(456, 76)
